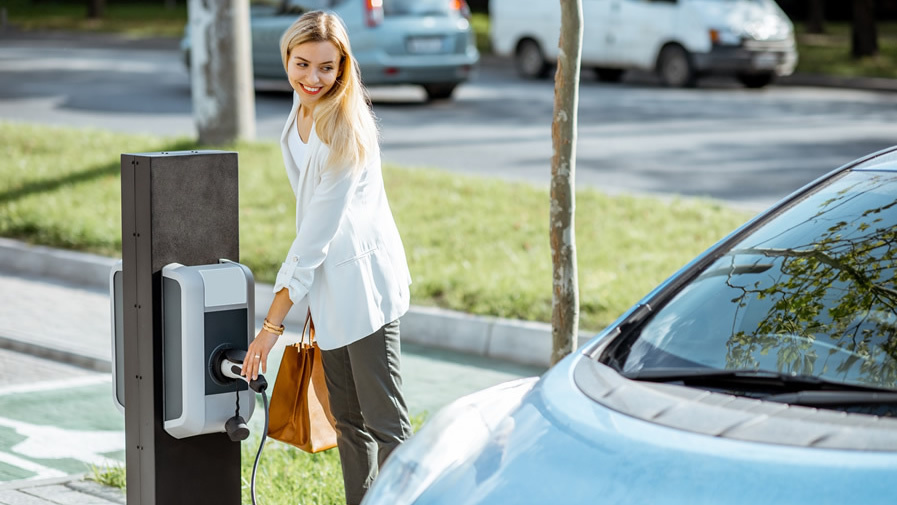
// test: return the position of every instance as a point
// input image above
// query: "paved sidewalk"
(66, 491)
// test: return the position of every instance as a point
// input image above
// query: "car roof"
(884, 160)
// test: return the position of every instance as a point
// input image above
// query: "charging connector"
(231, 364)
(226, 367)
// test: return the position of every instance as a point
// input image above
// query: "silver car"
(423, 42)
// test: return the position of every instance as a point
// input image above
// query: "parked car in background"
(765, 371)
(681, 40)
(423, 42)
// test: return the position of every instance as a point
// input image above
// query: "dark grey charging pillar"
(176, 207)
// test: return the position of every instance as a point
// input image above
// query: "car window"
(416, 7)
(302, 6)
(811, 292)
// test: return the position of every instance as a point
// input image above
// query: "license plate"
(766, 60)
(426, 45)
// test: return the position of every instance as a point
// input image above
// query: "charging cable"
(231, 366)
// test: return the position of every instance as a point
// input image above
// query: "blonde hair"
(343, 119)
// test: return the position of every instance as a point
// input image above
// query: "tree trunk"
(95, 9)
(221, 70)
(865, 33)
(816, 17)
(565, 288)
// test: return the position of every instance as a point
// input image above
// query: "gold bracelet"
(274, 329)
(277, 330)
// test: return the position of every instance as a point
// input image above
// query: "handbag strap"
(309, 326)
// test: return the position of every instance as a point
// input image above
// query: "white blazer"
(347, 263)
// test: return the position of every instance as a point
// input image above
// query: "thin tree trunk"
(95, 9)
(221, 70)
(816, 17)
(865, 33)
(565, 288)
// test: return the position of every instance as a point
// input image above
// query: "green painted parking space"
(68, 423)
(57, 428)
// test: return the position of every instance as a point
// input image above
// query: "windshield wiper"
(829, 399)
(751, 380)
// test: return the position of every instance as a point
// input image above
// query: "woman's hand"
(257, 354)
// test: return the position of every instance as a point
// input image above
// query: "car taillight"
(373, 12)
(461, 7)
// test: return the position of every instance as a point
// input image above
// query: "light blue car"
(422, 42)
(764, 372)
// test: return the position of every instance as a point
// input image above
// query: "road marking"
(51, 442)
(56, 385)
(40, 471)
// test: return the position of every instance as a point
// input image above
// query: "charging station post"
(177, 207)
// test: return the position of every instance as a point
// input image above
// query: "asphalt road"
(747, 147)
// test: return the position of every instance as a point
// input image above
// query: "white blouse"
(298, 149)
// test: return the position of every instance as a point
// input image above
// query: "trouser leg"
(357, 449)
(378, 382)
(365, 387)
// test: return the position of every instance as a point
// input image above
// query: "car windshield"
(810, 293)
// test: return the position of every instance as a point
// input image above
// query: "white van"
(681, 40)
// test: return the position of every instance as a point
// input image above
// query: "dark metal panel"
(195, 209)
(224, 329)
(176, 207)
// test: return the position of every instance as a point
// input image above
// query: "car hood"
(561, 446)
(759, 20)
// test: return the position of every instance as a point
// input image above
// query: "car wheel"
(530, 60)
(756, 81)
(674, 67)
(609, 74)
(441, 91)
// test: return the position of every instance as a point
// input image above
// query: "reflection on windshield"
(810, 293)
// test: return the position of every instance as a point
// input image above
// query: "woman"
(347, 264)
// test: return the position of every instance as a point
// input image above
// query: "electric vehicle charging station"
(207, 310)
(182, 319)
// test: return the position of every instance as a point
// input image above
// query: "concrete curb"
(52, 481)
(523, 342)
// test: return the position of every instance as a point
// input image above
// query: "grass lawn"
(146, 19)
(473, 244)
(284, 473)
(829, 53)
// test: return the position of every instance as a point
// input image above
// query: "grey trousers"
(365, 386)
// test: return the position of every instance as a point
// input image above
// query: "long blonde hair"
(343, 119)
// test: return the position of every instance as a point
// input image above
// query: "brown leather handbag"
(300, 408)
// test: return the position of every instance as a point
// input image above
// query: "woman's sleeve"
(319, 225)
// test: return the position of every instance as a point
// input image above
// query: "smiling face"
(313, 68)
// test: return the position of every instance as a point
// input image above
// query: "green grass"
(114, 476)
(829, 53)
(480, 24)
(149, 19)
(474, 244)
(284, 473)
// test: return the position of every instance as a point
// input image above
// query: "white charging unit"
(206, 310)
